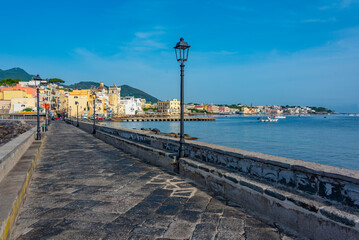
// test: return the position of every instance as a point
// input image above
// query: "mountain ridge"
(126, 90)
(15, 73)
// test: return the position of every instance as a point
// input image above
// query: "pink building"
(224, 109)
(213, 109)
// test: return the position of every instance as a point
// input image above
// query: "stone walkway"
(84, 188)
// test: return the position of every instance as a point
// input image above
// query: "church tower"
(114, 98)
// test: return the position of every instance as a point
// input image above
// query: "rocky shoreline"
(12, 129)
(174, 135)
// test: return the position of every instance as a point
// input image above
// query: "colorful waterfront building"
(224, 109)
(169, 107)
(7, 95)
(132, 106)
(19, 104)
(27, 90)
(84, 100)
(114, 97)
(212, 109)
(59, 100)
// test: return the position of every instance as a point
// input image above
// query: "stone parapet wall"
(11, 152)
(292, 193)
(294, 213)
(328, 182)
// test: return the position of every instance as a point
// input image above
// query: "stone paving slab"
(84, 188)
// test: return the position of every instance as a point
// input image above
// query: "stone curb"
(9, 222)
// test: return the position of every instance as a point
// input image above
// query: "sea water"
(326, 139)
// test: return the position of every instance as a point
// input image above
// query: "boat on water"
(269, 119)
(280, 117)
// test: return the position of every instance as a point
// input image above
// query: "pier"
(83, 188)
(166, 119)
(129, 184)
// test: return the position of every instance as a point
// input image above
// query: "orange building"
(18, 87)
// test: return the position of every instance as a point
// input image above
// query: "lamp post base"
(181, 148)
(38, 136)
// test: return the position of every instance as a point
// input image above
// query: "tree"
(27, 110)
(56, 80)
(9, 82)
(321, 110)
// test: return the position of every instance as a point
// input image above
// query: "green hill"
(15, 73)
(83, 85)
(130, 91)
(125, 90)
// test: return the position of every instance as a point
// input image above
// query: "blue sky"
(252, 52)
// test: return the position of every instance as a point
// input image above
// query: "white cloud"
(319, 20)
(142, 35)
(146, 41)
(347, 3)
(341, 4)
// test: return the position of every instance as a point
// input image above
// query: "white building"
(132, 105)
(19, 104)
(30, 83)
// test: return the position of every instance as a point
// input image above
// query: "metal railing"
(20, 117)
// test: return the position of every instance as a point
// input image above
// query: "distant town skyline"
(261, 52)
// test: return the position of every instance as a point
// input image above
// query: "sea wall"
(11, 152)
(297, 195)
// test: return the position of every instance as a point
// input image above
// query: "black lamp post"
(38, 82)
(182, 49)
(38, 132)
(94, 113)
(77, 115)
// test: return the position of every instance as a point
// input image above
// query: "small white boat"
(269, 119)
(280, 117)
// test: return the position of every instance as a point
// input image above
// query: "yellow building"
(148, 105)
(84, 100)
(19, 104)
(7, 95)
(169, 107)
(60, 100)
(205, 107)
